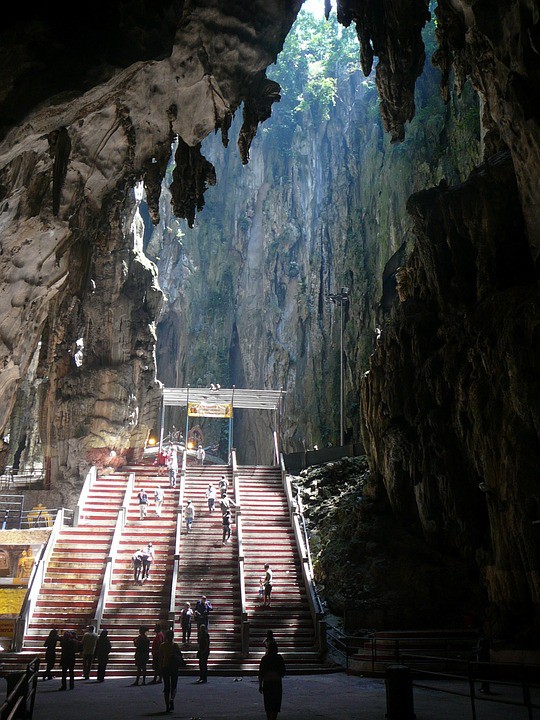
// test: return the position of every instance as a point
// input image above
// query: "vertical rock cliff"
(450, 402)
(320, 205)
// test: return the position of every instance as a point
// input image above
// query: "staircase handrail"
(21, 692)
(276, 448)
(177, 539)
(302, 543)
(35, 582)
(89, 480)
(121, 520)
(244, 620)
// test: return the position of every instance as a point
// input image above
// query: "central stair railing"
(244, 622)
(176, 560)
(113, 551)
(90, 479)
(302, 542)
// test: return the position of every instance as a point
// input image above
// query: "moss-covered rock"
(369, 567)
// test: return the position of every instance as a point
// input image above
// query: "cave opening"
(214, 264)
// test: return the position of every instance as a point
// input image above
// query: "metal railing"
(341, 643)
(22, 477)
(35, 582)
(302, 542)
(11, 511)
(177, 541)
(514, 681)
(276, 448)
(244, 621)
(444, 648)
(89, 480)
(113, 551)
(38, 517)
(22, 685)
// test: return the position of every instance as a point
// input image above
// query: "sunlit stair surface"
(209, 567)
(72, 585)
(268, 538)
(131, 604)
(206, 566)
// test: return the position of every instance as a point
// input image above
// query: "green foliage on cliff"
(315, 54)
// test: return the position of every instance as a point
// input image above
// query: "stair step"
(206, 566)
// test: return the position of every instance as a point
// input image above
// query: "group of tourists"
(90, 646)
(226, 503)
(166, 656)
(200, 613)
(168, 458)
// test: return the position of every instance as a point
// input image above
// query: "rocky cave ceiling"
(89, 107)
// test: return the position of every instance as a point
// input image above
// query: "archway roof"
(239, 397)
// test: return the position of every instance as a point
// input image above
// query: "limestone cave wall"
(79, 131)
(454, 435)
(89, 109)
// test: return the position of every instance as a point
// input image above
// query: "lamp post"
(341, 298)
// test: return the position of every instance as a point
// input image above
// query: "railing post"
(322, 642)
(245, 635)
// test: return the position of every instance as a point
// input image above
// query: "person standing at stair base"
(142, 653)
(70, 648)
(89, 640)
(171, 661)
(159, 638)
(102, 652)
(271, 672)
(203, 652)
(50, 653)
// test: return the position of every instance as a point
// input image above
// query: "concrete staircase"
(207, 567)
(70, 592)
(268, 538)
(130, 605)
(72, 587)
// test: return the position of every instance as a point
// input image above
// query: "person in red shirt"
(159, 638)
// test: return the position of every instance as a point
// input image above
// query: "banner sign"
(216, 410)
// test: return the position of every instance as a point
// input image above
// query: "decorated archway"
(217, 402)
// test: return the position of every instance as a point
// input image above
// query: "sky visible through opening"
(314, 6)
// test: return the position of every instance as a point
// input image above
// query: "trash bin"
(399, 695)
